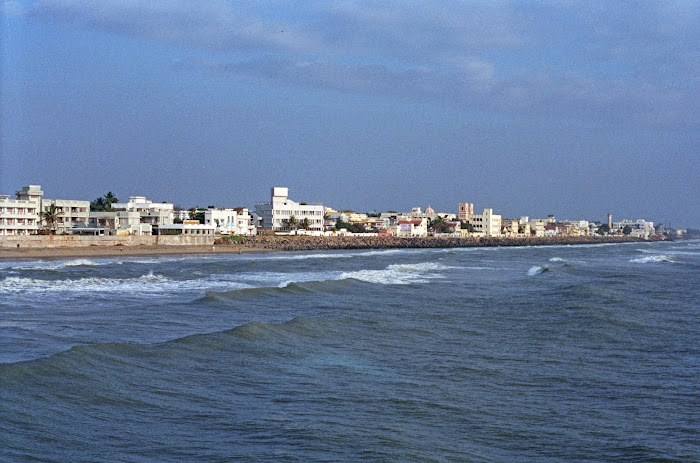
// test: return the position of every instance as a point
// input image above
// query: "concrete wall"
(60, 241)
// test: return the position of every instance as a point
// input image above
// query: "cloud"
(565, 57)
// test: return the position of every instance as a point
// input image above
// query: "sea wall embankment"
(74, 241)
(306, 243)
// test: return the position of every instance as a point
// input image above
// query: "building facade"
(235, 221)
(276, 214)
(487, 223)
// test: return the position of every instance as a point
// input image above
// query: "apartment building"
(275, 214)
(18, 216)
(486, 223)
(22, 216)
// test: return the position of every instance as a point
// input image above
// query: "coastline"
(267, 244)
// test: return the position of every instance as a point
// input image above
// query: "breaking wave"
(398, 274)
(536, 270)
(143, 283)
(652, 259)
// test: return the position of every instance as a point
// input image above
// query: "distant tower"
(466, 210)
(610, 221)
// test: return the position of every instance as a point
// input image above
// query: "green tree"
(51, 216)
(440, 225)
(104, 203)
(305, 224)
(603, 229)
(291, 223)
(627, 230)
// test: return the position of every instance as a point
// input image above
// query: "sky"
(576, 109)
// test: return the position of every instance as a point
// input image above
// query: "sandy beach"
(113, 251)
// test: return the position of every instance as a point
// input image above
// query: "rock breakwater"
(308, 243)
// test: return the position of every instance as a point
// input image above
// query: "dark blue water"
(567, 353)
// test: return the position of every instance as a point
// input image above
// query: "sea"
(585, 353)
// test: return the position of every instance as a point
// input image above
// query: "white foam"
(557, 259)
(398, 274)
(652, 259)
(536, 270)
(41, 265)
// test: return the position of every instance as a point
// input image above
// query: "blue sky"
(532, 108)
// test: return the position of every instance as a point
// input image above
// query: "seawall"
(305, 243)
(71, 241)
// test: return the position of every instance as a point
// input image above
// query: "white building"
(153, 213)
(235, 221)
(120, 223)
(639, 228)
(275, 214)
(188, 227)
(19, 216)
(410, 228)
(487, 223)
(22, 216)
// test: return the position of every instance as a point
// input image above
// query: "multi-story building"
(638, 229)
(235, 221)
(19, 216)
(22, 216)
(276, 214)
(487, 223)
(152, 213)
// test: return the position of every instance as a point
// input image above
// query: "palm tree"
(110, 199)
(51, 217)
(440, 225)
(305, 224)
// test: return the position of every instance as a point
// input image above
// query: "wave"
(41, 265)
(557, 259)
(141, 283)
(536, 270)
(652, 259)
(398, 274)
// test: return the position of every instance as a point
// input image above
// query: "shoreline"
(269, 244)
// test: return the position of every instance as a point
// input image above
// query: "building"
(466, 210)
(638, 229)
(276, 214)
(189, 228)
(235, 221)
(156, 214)
(120, 223)
(411, 228)
(22, 216)
(487, 223)
(19, 216)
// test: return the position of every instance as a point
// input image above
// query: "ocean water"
(560, 353)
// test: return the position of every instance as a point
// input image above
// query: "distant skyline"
(574, 109)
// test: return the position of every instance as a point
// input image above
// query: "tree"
(627, 230)
(603, 229)
(51, 216)
(467, 226)
(440, 225)
(291, 223)
(104, 203)
(305, 224)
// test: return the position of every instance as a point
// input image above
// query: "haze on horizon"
(532, 108)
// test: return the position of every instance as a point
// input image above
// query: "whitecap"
(652, 259)
(536, 270)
